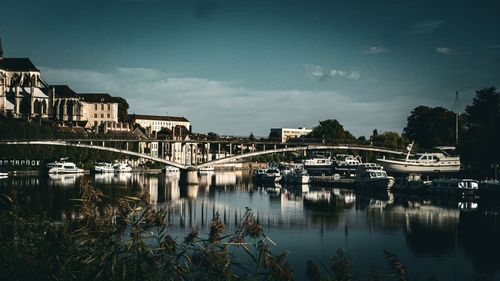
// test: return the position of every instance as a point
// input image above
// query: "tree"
(122, 110)
(388, 139)
(212, 136)
(331, 130)
(479, 143)
(430, 126)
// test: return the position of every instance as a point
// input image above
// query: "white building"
(154, 123)
(286, 134)
(99, 109)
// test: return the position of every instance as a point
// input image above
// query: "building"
(99, 109)
(154, 123)
(286, 134)
(66, 107)
(22, 91)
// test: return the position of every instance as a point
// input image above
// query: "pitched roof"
(17, 64)
(157, 117)
(97, 98)
(63, 91)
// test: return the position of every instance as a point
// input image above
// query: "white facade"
(285, 134)
(156, 123)
(98, 113)
(99, 109)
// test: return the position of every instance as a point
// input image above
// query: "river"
(447, 239)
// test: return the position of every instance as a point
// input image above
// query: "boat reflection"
(64, 180)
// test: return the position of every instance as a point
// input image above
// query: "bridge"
(196, 153)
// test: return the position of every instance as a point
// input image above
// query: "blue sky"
(242, 66)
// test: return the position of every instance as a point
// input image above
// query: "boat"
(454, 186)
(206, 170)
(171, 170)
(318, 165)
(258, 175)
(103, 167)
(64, 168)
(371, 176)
(122, 168)
(271, 175)
(3, 172)
(489, 187)
(298, 175)
(411, 182)
(346, 164)
(423, 163)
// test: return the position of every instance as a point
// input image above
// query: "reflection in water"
(423, 230)
(63, 180)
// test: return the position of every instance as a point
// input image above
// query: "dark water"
(434, 237)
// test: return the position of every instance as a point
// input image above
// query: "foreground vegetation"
(129, 240)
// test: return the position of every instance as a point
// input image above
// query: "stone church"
(23, 93)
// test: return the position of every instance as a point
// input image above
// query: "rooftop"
(63, 91)
(17, 64)
(97, 98)
(157, 117)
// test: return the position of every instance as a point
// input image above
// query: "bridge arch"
(110, 149)
(301, 148)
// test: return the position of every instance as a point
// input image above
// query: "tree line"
(428, 127)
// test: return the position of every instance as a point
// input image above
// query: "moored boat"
(103, 167)
(271, 175)
(371, 176)
(423, 163)
(64, 168)
(318, 166)
(122, 168)
(171, 170)
(346, 164)
(206, 170)
(454, 186)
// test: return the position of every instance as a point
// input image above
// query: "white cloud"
(318, 73)
(375, 50)
(427, 26)
(227, 107)
(448, 51)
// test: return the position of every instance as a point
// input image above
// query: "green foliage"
(122, 110)
(388, 139)
(277, 157)
(331, 131)
(430, 126)
(479, 143)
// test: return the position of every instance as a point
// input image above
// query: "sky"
(244, 66)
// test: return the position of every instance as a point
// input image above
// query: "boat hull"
(376, 184)
(402, 167)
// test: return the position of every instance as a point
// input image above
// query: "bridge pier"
(190, 176)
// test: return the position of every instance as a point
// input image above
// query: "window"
(95, 106)
(102, 106)
(109, 107)
(102, 115)
(95, 115)
(109, 115)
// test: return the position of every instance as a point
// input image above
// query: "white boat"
(321, 165)
(64, 168)
(104, 167)
(298, 175)
(423, 163)
(258, 174)
(206, 170)
(346, 164)
(459, 186)
(271, 175)
(122, 168)
(371, 176)
(171, 170)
